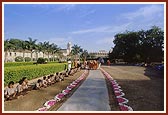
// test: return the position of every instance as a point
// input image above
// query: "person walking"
(108, 62)
(69, 65)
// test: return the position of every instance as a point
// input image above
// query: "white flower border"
(122, 102)
(59, 97)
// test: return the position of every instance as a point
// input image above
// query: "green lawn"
(16, 71)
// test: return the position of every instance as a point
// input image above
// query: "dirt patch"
(144, 87)
(36, 98)
(60, 103)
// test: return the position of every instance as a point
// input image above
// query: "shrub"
(27, 59)
(46, 59)
(31, 71)
(34, 59)
(41, 61)
(19, 59)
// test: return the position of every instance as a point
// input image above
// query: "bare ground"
(36, 98)
(144, 87)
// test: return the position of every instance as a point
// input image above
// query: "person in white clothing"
(69, 65)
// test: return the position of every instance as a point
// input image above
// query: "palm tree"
(55, 50)
(42, 48)
(48, 48)
(84, 54)
(8, 47)
(32, 46)
(76, 50)
(24, 47)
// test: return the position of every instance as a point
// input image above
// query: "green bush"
(46, 59)
(15, 73)
(41, 61)
(27, 59)
(19, 59)
(11, 64)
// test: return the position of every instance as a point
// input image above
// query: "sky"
(91, 26)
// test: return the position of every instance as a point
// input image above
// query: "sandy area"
(144, 87)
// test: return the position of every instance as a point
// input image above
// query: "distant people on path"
(69, 65)
(100, 61)
(75, 64)
(92, 64)
(108, 62)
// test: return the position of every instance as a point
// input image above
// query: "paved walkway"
(92, 95)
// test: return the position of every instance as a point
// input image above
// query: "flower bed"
(119, 94)
(63, 93)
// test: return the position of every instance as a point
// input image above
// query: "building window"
(15, 53)
(10, 54)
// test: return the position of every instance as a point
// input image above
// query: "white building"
(100, 53)
(67, 51)
(10, 56)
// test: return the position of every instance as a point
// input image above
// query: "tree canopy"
(30, 45)
(141, 46)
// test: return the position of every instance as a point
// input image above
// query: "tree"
(54, 50)
(142, 46)
(76, 50)
(152, 42)
(24, 47)
(126, 46)
(8, 47)
(84, 54)
(31, 46)
(41, 48)
(48, 48)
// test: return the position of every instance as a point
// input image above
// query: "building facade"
(11, 55)
(100, 53)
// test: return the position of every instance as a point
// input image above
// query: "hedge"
(10, 64)
(32, 71)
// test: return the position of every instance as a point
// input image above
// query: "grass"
(11, 64)
(18, 71)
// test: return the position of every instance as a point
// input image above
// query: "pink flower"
(115, 86)
(125, 108)
(42, 109)
(59, 96)
(117, 90)
(66, 91)
(122, 100)
(50, 102)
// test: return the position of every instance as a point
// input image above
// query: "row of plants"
(28, 59)
(11, 64)
(31, 71)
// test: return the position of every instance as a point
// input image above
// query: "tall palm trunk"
(43, 54)
(53, 57)
(23, 55)
(36, 56)
(48, 56)
(31, 56)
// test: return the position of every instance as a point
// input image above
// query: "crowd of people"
(93, 64)
(23, 86)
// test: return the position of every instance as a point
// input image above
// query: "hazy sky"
(92, 26)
